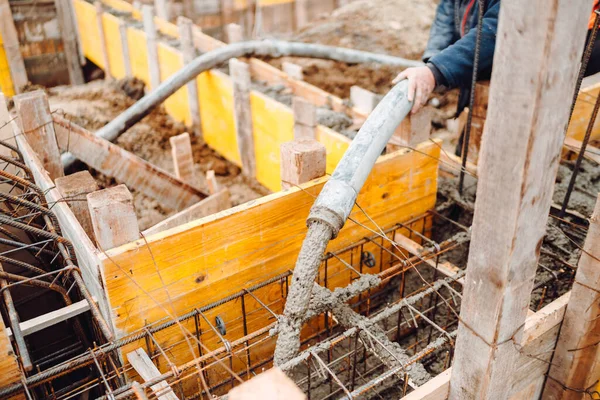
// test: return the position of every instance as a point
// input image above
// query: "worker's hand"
(421, 83)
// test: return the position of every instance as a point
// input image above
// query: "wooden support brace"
(520, 155)
(183, 159)
(272, 384)
(211, 181)
(300, 13)
(240, 75)
(576, 362)
(74, 189)
(144, 366)
(189, 53)
(211, 205)
(151, 45)
(103, 44)
(10, 39)
(305, 119)
(125, 48)
(68, 28)
(162, 9)
(363, 100)
(302, 161)
(415, 129)
(113, 217)
(36, 122)
(294, 71)
(234, 33)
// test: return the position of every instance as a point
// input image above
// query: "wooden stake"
(233, 33)
(294, 71)
(125, 48)
(150, 31)
(240, 75)
(74, 189)
(301, 13)
(143, 365)
(162, 9)
(211, 181)
(519, 156)
(576, 362)
(6, 133)
(302, 161)
(189, 53)
(363, 100)
(103, 45)
(415, 128)
(36, 122)
(113, 217)
(10, 39)
(68, 28)
(305, 119)
(183, 159)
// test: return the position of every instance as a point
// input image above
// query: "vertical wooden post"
(18, 73)
(415, 128)
(183, 159)
(305, 119)
(302, 161)
(189, 53)
(113, 217)
(211, 181)
(37, 125)
(294, 71)
(162, 9)
(537, 42)
(68, 28)
(362, 99)
(6, 133)
(188, 8)
(125, 48)
(150, 31)
(576, 362)
(240, 75)
(233, 33)
(103, 44)
(74, 189)
(300, 13)
(227, 12)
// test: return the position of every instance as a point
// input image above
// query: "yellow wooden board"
(170, 61)
(89, 32)
(6, 83)
(335, 143)
(114, 45)
(8, 360)
(215, 97)
(583, 112)
(138, 54)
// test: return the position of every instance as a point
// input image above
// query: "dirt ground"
(95, 104)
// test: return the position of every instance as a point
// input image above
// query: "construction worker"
(450, 52)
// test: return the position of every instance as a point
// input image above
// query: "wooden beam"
(144, 366)
(211, 205)
(151, 46)
(36, 122)
(272, 384)
(52, 318)
(189, 53)
(183, 159)
(302, 161)
(103, 45)
(240, 76)
(520, 158)
(576, 363)
(162, 9)
(305, 119)
(125, 48)
(294, 71)
(362, 99)
(113, 217)
(74, 188)
(233, 33)
(10, 39)
(68, 29)
(211, 181)
(125, 167)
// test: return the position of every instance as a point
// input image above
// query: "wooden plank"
(74, 188)
(305, 119)
(125, 48)
(151, 43)
(436, 389)
(519, 158)
(10, 42)
(233, 33)
(591, 153)
(240, 76)
(294, 71)
(68, 29)
(103, 44)
(211, 205)
(36, 122)
(576, 362)
(300, 13)
(301, 161)
(52, 318)
(583, 112)
(124, 166)
(183, 159)
(189, 53)
(9, 365)
(211, 181)
(363, 99)
(144, 366)
(162, 9)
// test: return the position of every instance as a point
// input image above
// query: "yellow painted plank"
(215, 96)
(6, 83)
(136, 39)
(335, 143)
(583, 112)
(171, 61)
(8, 360)
(115, 49)
(215, 256)
(273, 124)
(89, 32)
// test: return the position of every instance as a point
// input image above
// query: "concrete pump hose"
(211, 59)
(332, 208)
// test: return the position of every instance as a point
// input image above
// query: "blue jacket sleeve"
(442, 30)
(455, 63)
